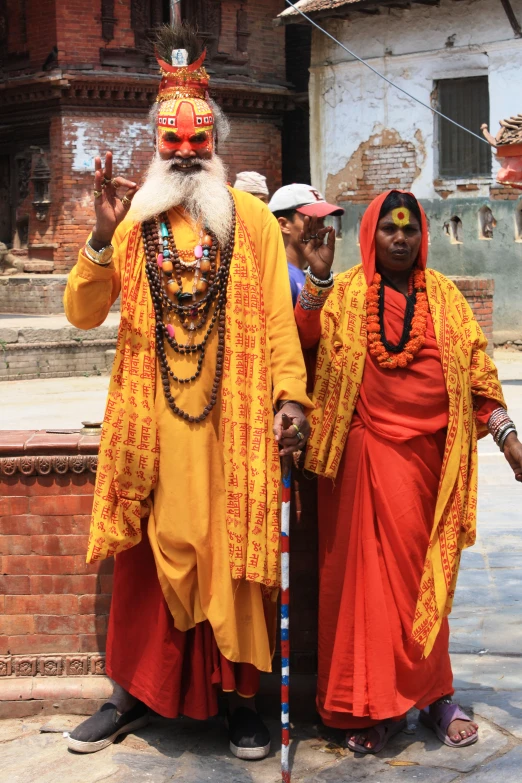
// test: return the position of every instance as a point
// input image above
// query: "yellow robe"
(188, 519)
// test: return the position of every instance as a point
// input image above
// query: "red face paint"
(185, 128)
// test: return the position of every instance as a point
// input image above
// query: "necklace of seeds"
(191, 310)
(193, 314)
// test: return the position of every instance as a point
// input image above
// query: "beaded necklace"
(164, 268)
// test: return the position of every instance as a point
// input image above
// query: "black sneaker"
(248, 735)
(102, 728)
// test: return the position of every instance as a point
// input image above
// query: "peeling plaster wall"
(349, 104)
(366, 135)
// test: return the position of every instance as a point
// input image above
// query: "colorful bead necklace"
(387, 354)
(164, 268)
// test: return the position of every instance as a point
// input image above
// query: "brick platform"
(54, 607)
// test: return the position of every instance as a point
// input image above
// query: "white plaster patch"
(89, 140)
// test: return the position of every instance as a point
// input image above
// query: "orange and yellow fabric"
(468, 372)
(214, 519)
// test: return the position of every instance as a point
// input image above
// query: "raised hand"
(110, 209)
(319, 255)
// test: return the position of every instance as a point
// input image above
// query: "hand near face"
(109, 207)
(319, 256)
(513, 454)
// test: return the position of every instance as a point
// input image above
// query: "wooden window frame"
(465, 100)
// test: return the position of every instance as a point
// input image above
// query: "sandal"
(385, 730)
(438, 717)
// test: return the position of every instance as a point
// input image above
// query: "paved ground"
(486, 653)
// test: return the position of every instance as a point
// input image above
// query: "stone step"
(34, 294)
(49, 347)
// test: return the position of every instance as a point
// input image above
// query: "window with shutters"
(467, 102)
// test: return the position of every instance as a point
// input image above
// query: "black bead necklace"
(193, 314)
(411, 298)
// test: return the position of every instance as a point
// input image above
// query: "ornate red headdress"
(183, 93)
(183, 81)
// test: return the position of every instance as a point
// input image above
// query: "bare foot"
(459, 730)
(367, 738)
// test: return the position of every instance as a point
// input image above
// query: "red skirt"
(172, 672)
(374, 529)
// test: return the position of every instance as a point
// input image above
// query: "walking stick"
(286, 478)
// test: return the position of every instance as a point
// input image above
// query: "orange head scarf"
(369, 227)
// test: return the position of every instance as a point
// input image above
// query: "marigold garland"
(417, 334)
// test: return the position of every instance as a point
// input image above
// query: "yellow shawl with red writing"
(468, 371)
(129, 448)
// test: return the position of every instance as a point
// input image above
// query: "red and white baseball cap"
(304, 199)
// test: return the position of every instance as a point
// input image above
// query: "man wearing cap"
(290, 204)
(254, 183)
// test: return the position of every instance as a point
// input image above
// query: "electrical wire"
(382, 76)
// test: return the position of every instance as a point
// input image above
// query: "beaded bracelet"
(312, 296)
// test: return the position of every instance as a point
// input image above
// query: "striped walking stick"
(285, 607)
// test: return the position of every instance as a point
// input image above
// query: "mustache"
(188, 163)
(198, 185)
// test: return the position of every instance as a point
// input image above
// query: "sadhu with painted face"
(187, 486)
(403, 389)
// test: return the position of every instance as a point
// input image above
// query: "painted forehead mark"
(401, 216)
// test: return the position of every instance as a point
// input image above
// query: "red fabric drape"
(374, 528)
(375, 525)
(174, 673)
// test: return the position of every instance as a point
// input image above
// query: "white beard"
(203, 194)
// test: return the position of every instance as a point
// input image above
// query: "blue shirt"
(297, 278)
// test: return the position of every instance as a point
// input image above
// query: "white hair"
(202, 193)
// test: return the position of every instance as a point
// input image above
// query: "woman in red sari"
(403, 388)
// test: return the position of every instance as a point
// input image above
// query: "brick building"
(77, 79)
(462, 58)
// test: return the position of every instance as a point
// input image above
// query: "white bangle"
(321, 283)
(503, 437)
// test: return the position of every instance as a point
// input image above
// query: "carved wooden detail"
(108, 20)
(242, 30)
(44, 465)
(52, 665)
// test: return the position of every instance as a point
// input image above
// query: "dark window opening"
(467, 102)
(296, 123)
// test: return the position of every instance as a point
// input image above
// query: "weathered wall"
(76, 140)
(350, 105)
(366, 136)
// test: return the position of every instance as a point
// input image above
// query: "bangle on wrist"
(312, 296)
(102, 257)
(503, 437)
(318, 281)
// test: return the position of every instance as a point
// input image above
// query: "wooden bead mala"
(193, 311)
